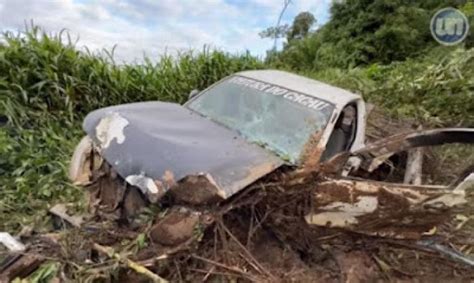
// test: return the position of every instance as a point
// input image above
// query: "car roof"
(338, 96)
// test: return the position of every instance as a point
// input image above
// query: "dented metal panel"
(376, 153)
(83, 162)
(147, 141)
(384, 209)
(373, 155)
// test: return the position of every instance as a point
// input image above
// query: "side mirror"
(193, 93)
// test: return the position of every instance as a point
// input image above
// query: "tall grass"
(47, 86)
(46, 73)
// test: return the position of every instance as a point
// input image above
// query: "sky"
(155, 27)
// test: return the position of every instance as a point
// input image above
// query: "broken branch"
(230, 268)
(131, 264)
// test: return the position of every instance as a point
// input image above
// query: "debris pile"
(353, 217)
(291, 226)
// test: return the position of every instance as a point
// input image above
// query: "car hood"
(155, 139)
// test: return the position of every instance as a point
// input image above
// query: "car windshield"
(279, 119)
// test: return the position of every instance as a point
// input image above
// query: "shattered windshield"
(271, 116)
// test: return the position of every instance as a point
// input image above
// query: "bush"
(437, 90)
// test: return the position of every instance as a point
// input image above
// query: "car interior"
(343, 134)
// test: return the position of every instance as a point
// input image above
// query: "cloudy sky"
(157, 26)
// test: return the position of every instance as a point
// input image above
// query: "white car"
(235, 132)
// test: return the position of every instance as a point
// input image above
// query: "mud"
(195, 190)
(175, 228)
(356, 267)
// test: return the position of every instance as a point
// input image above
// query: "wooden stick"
(230, 268)
(260, 267)
(167, 254)
(131, 264)
(228, 274)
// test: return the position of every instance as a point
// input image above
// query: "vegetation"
(363, 32)
(46, 88)
(384, 50)
(436, 90)
(379, 48)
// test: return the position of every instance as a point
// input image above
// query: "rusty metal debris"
(372, 156)
(376, 153)
(382, 209)
(233, 239)
(368, 207)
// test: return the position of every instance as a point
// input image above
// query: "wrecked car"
(230, 135)
(242, 128)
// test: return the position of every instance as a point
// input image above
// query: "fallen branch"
(435, 249)
(167, 254)
(246, 251)
(131, 264)
(448, 252)
(212, 272)
(230, 268)
(17, 265)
